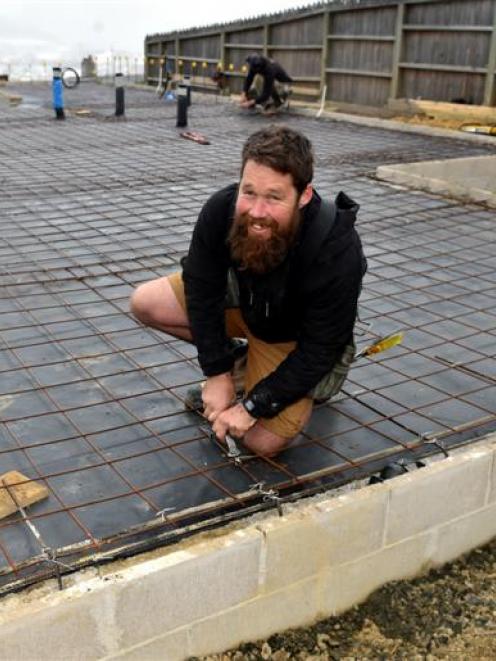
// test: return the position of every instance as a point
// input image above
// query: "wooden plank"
(444, 110)
(298, 31)
(378, 20)
(231, 44)
(451, 12)
(448, 28)
(191, 58)
(360, 37)
(26, 493)
(441, 67)
(443, 86)
(297, 79)
(461, 49)
(358, 90)
(359, 72)
(298, 48)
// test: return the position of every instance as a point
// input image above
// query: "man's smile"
(260, 229)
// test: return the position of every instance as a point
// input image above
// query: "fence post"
(398, 41)
(266, 39)
(177, 55)
(160, 75)
(325, 50)
(58, 93)
(489, 91)
(119, 95)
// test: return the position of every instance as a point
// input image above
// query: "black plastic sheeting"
(92, 404)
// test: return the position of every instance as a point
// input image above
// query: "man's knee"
(155, 303)
(264, 442)
(139, 303)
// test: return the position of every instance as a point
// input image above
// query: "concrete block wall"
(262, 575)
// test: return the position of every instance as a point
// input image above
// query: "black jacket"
(270, 71)
(315, 307)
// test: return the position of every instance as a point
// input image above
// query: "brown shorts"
(263, 358)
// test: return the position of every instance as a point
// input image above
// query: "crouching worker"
(275, 91)
(270, 262)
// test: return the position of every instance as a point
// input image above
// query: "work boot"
(239, 350)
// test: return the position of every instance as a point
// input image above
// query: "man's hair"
(284, 150)
(255, 59)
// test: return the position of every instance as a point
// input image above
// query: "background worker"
(259, 266)
(271, 72)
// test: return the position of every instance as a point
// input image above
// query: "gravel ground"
(450, 613)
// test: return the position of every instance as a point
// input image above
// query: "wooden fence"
(362, 52)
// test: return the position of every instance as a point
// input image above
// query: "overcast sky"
(49, 30)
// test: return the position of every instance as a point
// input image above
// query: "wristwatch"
(260, 404)
(249, 406)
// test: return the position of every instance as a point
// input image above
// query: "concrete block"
(293, 549)
(185, 586)
(349, 584)
(65, 631)
(171, 646)
(492, 479)
(352, 525)
(437, 494)
(297, 605)
(462, 535)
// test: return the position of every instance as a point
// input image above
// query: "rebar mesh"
(92, 403)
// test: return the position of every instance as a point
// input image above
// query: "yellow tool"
(382, 344)
(478, 128)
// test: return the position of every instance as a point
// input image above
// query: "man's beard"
(256, 254)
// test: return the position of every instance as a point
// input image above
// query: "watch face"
(249, 405)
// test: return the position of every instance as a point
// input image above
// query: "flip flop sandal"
(195, 137)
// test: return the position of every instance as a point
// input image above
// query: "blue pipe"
(58, 93)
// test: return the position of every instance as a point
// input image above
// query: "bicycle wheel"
(70, 78)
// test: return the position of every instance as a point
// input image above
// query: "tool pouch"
(331, 383)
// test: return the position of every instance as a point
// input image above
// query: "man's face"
(266, 217)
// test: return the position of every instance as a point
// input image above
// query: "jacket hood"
(343, 230)
(344, 226)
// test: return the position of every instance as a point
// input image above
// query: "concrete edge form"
(470, 179)
(263, 574)
(395, 125)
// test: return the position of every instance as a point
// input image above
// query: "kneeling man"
(271, 262)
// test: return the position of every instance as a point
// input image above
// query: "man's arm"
(327, 328)
(205, 282)
(248, 80)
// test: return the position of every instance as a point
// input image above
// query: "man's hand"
(235, 421)
(245, 102)
(218, 394)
